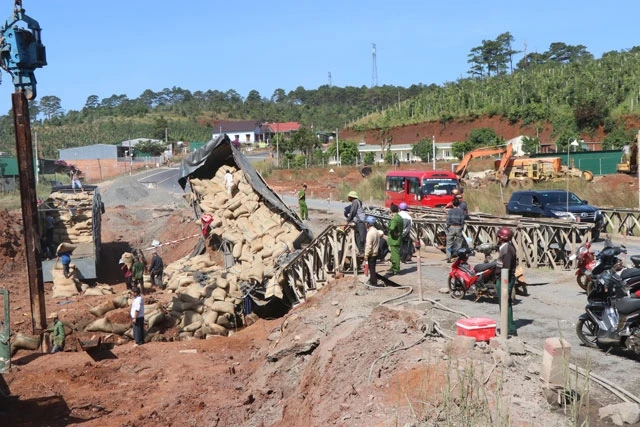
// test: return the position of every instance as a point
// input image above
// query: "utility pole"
(433, 147)
(28, 196)
(338, 149)
(37, 159)
(374, 67)
(25, 52)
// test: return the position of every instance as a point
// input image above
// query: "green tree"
(150, 147)
(423, 149)
(530, 144)
(50, 106)
(483, 137)
(348, 152)
(92, 102)
(160, 127)
(369, 158)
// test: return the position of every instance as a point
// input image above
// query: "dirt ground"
(350, 355)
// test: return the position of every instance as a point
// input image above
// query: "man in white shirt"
(137, 317)
(228, 183)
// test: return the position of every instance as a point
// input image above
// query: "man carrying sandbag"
(58, 333)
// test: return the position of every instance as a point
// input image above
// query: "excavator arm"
(461, 169)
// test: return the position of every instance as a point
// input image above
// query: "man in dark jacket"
(155, 269)
(507, 260)
(455, 224)
(356, 215)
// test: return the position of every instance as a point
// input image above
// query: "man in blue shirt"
(65, 259)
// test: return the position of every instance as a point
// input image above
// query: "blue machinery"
(21, 50)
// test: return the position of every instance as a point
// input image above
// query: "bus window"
(414, 185)
(395, 183)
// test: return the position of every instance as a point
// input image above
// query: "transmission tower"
(374, 69)
(329, 78)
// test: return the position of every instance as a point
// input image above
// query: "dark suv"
(553, 204)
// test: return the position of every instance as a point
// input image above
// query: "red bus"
(420, 188)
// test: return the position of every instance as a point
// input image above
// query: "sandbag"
(223, 307)
(210, 318)
(102, 309)
(26, 342)
(219, 294)
(155, 319)
(99, 325)
(120, 328)
(192, 327)
(121, 301)
(215, 330)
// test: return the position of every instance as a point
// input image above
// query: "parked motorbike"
(592, 264)
(611, 318)
(464, 278)
(586, 262)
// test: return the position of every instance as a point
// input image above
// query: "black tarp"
(205, 161)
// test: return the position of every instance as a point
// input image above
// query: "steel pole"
(433, 147)
(28, 196)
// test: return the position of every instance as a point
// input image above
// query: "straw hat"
(53, 315)
(353, 195)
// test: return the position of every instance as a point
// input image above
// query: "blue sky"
(124, 47)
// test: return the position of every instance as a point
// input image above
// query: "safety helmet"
(403, 206)
(370, 220)
(505, 234)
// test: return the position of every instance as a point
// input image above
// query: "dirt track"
(323, 363)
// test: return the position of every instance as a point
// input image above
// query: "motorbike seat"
(484, 266)
(635, 259)
(629, 272)
(628, 305)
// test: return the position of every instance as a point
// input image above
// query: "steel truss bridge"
(539, 243)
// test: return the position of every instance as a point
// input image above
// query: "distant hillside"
(555, 98)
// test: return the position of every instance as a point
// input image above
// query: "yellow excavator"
(520, 172)
(629, 161)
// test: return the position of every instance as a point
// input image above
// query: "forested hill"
(564, 86)
(192, 116)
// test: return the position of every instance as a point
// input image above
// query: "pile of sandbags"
(73, 216)
(64, 287)
(208, 295)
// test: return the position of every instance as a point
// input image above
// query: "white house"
(244, 131)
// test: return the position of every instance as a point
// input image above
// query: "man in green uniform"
(58, 333)
(394, 238)
(302, 201)
(137, 272)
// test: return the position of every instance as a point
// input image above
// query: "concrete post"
(555, 360)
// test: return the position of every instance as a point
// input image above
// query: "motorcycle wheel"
(456, 289)
(587, 331)
(583, 281)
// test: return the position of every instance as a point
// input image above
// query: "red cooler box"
(481, 328)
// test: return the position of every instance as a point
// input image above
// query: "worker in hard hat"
(58, 333)
(357, 217)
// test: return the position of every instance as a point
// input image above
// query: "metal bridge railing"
(622, 221)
